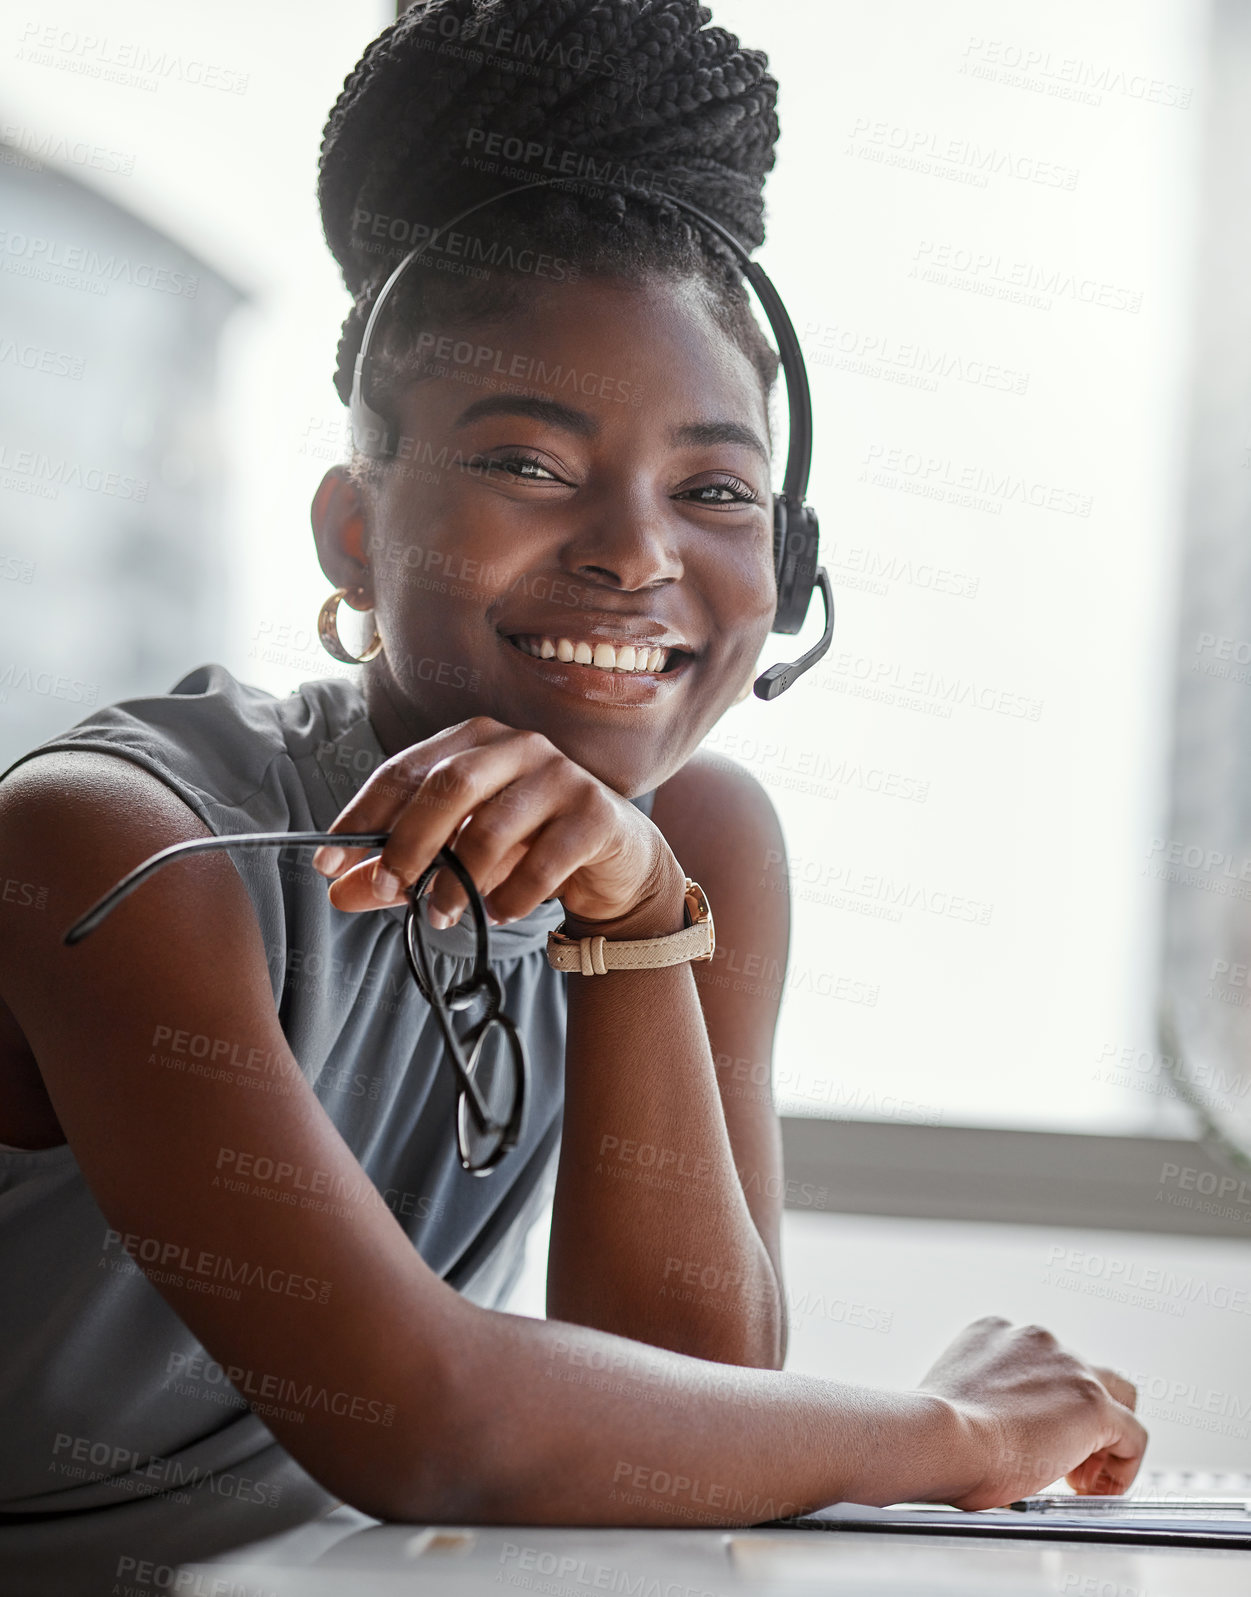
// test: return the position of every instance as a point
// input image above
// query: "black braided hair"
(627, 100)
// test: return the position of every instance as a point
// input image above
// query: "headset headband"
(377, 433)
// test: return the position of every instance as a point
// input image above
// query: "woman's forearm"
(651, 1234)
(551, 1423)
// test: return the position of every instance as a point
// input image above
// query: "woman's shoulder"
(214, 739)
(721, 822)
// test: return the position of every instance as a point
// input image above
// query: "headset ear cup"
(796, 537)
(778, 546)
(779, 536)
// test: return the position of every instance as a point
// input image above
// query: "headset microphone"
(795, 530)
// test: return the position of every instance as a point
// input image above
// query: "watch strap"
(597, 955)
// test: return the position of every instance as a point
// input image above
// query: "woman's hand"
(527, 823)
(1035, 1412)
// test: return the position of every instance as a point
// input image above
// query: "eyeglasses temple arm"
(204, 845)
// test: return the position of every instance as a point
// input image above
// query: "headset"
(795, 531)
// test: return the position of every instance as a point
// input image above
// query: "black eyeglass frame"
(471, 1110)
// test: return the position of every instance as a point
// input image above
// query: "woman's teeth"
(607, 656)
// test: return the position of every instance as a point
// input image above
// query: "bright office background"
(1039, 829)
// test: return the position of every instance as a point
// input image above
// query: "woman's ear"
(341, 517)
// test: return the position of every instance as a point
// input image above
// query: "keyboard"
(1192, 1483)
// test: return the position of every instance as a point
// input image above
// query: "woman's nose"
(632, 542)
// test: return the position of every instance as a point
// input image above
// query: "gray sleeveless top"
(116, 1429)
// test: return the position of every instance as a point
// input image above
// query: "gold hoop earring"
(328, 632)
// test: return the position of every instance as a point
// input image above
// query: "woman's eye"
(522, 466)
(739, 492)
(526, 468)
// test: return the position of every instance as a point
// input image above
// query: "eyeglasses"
(491, 1101)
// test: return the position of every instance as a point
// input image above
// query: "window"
(986, 243)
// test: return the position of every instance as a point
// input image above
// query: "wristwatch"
(596, 956)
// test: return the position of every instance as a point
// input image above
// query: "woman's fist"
(527, 823)
(1034, 1412)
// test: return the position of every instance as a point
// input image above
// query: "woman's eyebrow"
(719, 432)
(548, 410)
(586, 426)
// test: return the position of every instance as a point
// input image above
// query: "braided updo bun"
(627, 101)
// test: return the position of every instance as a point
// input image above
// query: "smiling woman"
(246, 1274)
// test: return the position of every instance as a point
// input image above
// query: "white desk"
(347, 1554)
(926, 1279)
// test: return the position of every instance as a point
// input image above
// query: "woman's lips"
(598, 683)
